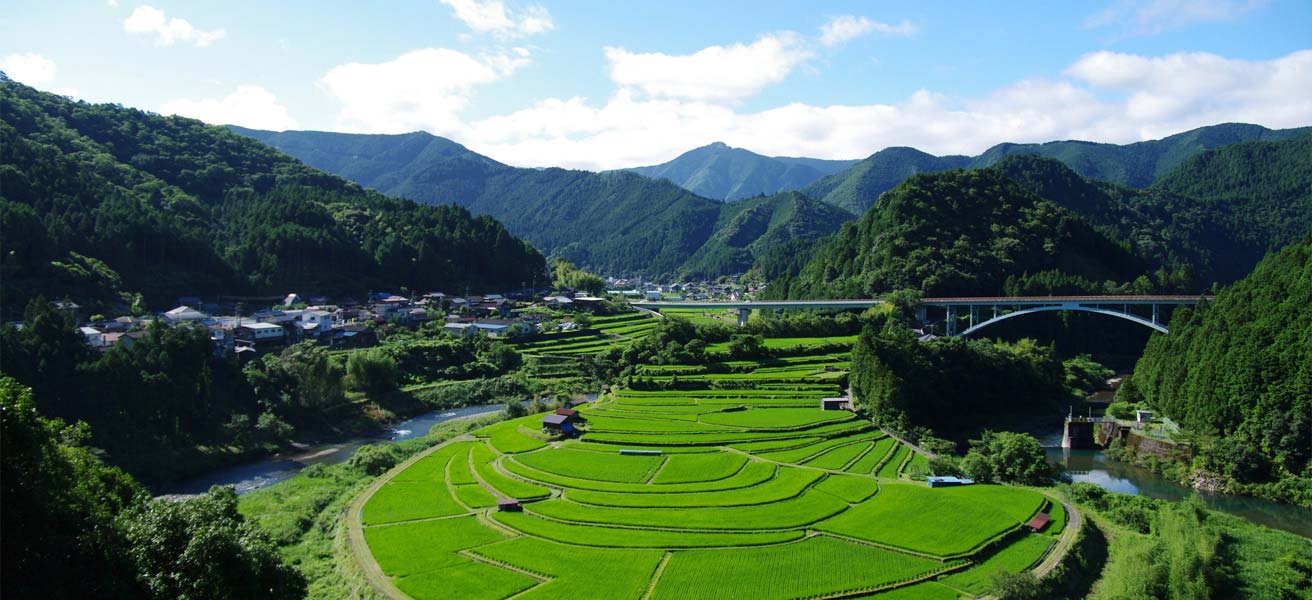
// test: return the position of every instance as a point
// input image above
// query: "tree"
(372, 372)
(1009, 457)
(202, 548)
(1017, 586)
(743, 346)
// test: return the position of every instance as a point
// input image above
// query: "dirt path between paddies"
(355, 525)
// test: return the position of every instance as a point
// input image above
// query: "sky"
(603, 85)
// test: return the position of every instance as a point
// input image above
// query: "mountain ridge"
(719, 171)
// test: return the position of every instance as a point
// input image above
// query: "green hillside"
(614, 222)
(962, 233)
(97, 200)
(751, 227)
(1240, 369)
(1134, 165)
(1141, 163)
(724, 173)
(857, 188)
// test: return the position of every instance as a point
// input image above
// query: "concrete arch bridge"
(966, 315)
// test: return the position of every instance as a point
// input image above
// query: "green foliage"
(112, 200)
(1084, 376)
(567, 276)
(1240, 368)
(372, 372)
(202, 548)
(75, 527)
(954, 386)
(1007, 456)
(960, 233)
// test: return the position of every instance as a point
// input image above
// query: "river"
(1092, 466)
(283, 466)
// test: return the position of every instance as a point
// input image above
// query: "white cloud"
(112, 3)
(716, 73)
(422, 89)
(492, 16)
(1148, 17)
(248, 106)
(1104, 96)
(149, 20)
(29, 68)
(842, 29)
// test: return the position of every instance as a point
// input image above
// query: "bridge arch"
(1061, 307)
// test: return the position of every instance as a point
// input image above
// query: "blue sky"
(607, 84)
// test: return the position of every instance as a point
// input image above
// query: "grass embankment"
(305, 515)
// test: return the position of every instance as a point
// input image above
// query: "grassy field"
(748, 490)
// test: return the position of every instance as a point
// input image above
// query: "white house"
(184, 314)
(260, 332)
(460, 329)
(93, 336)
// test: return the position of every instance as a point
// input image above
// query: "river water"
(285, 465)
(1092, 466)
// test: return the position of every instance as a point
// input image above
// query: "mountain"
(856, 189)
(613, 222)
(962, 232)
(1240, 369)
(724, 173)
(1134, 165)
(747, 229)
(97, 200)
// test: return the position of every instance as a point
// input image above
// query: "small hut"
(509, 505)
(1039, 522)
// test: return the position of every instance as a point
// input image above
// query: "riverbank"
(303, 515)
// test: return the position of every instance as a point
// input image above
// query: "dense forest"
(616, 222)
(963, 233)
(100, 202)
(1238, 373)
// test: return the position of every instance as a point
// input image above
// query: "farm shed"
(636, 452)
(937, 482)
(556, 423)
(1039, 522)
(835, 404)
(509, 505)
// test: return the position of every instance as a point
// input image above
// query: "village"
(348, 323)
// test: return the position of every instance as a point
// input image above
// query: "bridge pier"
(743, 313)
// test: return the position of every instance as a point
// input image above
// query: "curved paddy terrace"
(735, 490)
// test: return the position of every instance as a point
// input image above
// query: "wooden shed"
(509, 505)
(1039, 522)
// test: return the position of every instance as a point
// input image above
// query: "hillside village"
(349, 323)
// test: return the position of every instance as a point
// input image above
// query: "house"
(939, 481)
(835, 404)
(316, 322)
(653, 295)
(569, 412)
(261, 333)
(291, 299)
(93, 336)
(1143, 416)
(184, 314)
(221, 337)
(353, 336)
(459, 329)
(561, 424)
(577, 402)
(1039, 522)
(72, 308)
(558, 301)
(115, 339)
(500, 328)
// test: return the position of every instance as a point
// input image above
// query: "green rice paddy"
(755, 493)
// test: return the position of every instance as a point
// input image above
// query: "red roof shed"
(1039, 522)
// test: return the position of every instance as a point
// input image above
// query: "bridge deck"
(946, 301)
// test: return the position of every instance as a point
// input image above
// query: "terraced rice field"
(605, 333)
(743, 491)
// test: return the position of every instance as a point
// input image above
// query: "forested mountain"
(97, 200)
(724, 173)
(1135, 165)
(857, 188)
(963, 233)
(614, 222)
(1240, 369)
(748, 228)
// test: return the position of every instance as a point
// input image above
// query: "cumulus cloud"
(1102, 96)
(494, 17)
(842, 29)
(148, 20)
(422, 89)
(716, 73)
(248, 106)
(28, 67)
(1148, 17)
